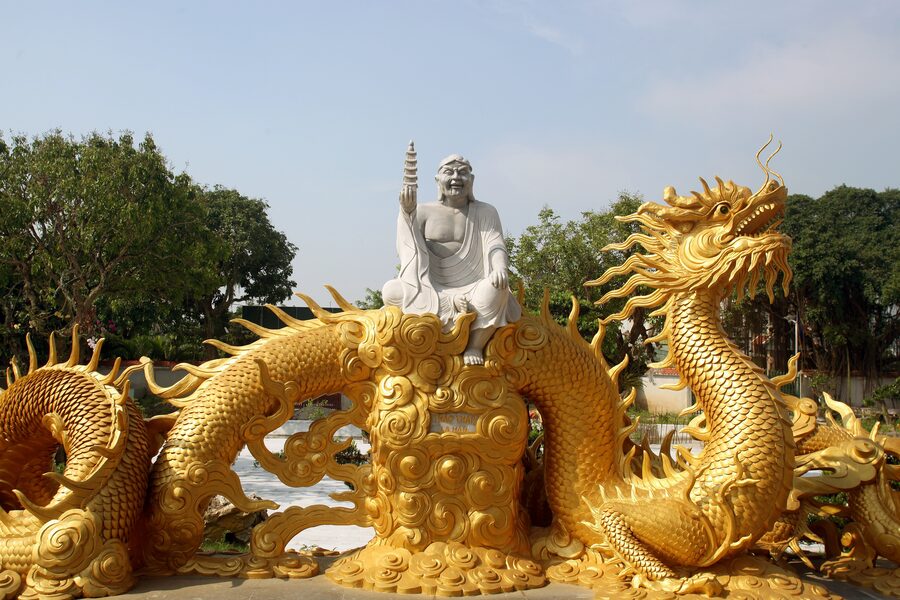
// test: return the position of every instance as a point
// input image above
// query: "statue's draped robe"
(430, 283)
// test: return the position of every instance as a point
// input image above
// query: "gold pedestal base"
(442, 569)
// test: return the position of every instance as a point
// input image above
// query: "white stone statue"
(453, 259)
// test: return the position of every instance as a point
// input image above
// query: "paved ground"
(320, 588)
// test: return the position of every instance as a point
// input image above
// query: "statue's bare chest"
(444, 228)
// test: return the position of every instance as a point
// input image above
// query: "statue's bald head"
(455, 177)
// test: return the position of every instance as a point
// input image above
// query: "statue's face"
(455, 180)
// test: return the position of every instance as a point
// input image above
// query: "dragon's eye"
(723, 209)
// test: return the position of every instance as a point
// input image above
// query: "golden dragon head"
(721, 239)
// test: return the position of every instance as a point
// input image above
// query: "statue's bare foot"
(473, 357)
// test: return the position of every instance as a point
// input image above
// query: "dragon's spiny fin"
(666, 461)
(668, 361)
(321, 314)
(615, 371)
(597, 345)
(801, 554)
(49, 512)
(110, 377)
(95, 357)
(572, 323)
(695, 407)
(627, 401)
(783, 380)
(696, 428)
(124, 392)
(848, 418)
(341, 301)
(647, 463)
(227, 348)
(184, 386)
(287, 392)
(626, 430)
(9, 377)
(625, 466)
(52, 356)
(675, 387)
(43, 513)
(648, 301)
(70, 484)
(32, 355)
(597, 340)
(14, 363)
(122, 378)
(665, 448)
(545, 307)
(288, 320)
(685, 457)
(259, 330)
(75, 354)
(197, 371)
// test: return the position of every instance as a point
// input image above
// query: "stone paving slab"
(194, 587)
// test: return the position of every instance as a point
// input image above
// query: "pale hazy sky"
(310, 105)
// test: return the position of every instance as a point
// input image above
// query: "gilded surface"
(442, 491)
(66, 534)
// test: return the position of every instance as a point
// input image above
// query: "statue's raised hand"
(408, 198)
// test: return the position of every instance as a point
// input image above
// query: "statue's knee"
(486, 297)
(392, 293)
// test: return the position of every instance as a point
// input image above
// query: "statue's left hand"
(499, 279)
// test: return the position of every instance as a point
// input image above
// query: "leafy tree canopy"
(846, 263)
(99, 232)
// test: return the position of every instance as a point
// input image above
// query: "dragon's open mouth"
(763, 219)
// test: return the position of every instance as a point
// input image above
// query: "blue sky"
(310, 105)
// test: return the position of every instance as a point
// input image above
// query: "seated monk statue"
(453, 259)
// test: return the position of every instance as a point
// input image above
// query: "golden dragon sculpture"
(67, 534)
(442, 490)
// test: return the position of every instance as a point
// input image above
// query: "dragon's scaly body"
(700, 248)
(207, 436)
(81, 520)
(443, 503)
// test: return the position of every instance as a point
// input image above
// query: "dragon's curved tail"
(67, 534)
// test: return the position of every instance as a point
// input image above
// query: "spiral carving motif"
(69, 543)
(443, 569)
(451, 487)
(109, 573)
(10, 582)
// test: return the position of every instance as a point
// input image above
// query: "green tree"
(99, 217)
(372, 300)
(562, 256)
(253, 259)
(846, 263)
